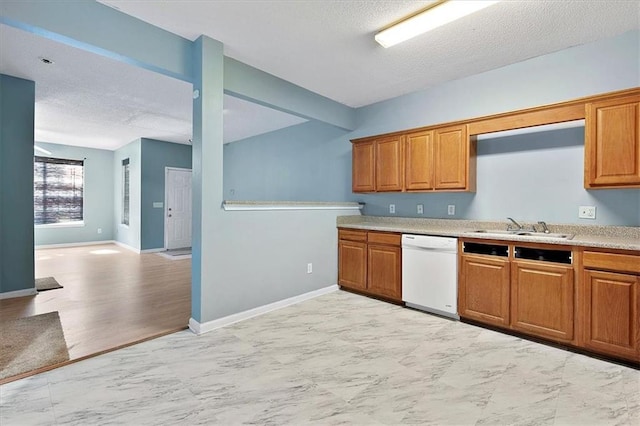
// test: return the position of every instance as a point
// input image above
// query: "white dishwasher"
(430, 274)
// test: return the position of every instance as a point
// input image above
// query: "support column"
(17, 111)
(207, 173)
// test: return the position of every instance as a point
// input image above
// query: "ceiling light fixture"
(437, 15)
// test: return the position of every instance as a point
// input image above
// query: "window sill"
(61, 225)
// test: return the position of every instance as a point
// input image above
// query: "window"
(125, 192)
(57, 190)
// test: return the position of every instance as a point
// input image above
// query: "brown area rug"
(30, 343)
(48, 283)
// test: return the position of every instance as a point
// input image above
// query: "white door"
(177, 229)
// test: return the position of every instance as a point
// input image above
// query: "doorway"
(177, 218)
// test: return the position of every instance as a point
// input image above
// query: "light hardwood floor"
(112, 297)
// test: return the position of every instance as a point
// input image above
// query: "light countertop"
(612, 237)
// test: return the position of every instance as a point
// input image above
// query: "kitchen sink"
(524, 233)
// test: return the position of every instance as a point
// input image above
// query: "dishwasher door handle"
(432, 249)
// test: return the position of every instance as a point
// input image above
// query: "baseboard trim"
(126, 246)
(78, 244)
(154, 250)
(201, 328)
(18, 293)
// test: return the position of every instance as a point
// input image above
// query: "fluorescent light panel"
(434, 17)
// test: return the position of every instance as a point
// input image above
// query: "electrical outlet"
(420, 209)
(309, 268)
(392, 208)
(587, 212)
(99, 230)
(451, 209)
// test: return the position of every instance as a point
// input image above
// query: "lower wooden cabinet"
(352, 268)
(370, 262)
(483, 289)
(542, 297)
(385, 269)
(611, 309)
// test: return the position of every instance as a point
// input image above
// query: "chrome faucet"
(518, 227)
(545, 229)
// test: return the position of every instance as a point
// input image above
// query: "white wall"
(129, 235)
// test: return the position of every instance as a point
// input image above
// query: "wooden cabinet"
(612, 143)
(483, 289)
(611, 322)
(370, 263)
(542, 296)
(442, 159)
(610, 304)
(363, 177)
(385, 269)
(419, 161)
(500, 285)
(352, 257)
(389, 164)
(451, 159)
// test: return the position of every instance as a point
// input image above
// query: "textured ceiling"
(328, 47)
(84, 99)
(325, 46)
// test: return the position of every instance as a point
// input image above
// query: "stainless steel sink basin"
(500, 233)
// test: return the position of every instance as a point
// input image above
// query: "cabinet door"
(612, 143)
(352, 264)
(389, 164)
(363, 178)
(483, 289)
(385, 271)
(451, 157)
(610, 309)
(418, 161)
(542, 299)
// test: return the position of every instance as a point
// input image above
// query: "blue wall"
(306, 162)
(536, 176)
(17, 112)
(98, 197)
(156, 155)
(531, 177)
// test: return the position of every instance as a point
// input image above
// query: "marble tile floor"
(336, 359)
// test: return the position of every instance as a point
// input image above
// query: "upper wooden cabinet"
(433, 160)
(442, 157)
(418, 161)
(363, 172)
(612, 143)
(452, 159)
(389, 161)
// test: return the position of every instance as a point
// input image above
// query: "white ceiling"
(328, 47)
(324, 46)
(84, 99)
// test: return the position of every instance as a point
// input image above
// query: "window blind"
(58, 190)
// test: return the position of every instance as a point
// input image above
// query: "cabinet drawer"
(611, 261)
(352, 235)
(384, 238)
